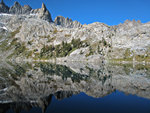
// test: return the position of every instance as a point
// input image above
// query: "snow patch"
(5, 14)
(33, 14)
(4, 28)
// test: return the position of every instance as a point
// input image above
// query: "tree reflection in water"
(25, 86)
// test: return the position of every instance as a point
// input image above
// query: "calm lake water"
(74, 88)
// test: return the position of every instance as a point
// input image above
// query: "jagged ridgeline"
(43, 13)
(31, 34)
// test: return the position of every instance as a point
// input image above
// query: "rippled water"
(74, 88)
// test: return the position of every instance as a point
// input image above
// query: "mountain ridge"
(43, 14)
(33, 36)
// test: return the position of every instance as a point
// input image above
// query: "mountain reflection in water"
(74, 87)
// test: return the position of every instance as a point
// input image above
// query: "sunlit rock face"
(67, 40)
(66, 22)
(42, 13)
(38, 82)
(17, 9)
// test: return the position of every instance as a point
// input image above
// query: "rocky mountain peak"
(41, 13)
(16, 8)
(130, 24)
(3, 8)
(17, 4)
(44, 13)
(133, 22)
(44, 7)
(66, 22)
(2, 2)
(26, 9)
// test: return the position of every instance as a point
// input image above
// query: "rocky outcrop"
(26, 9)
(43, 13)
(18, 9)
(3, 8)
(66, 22)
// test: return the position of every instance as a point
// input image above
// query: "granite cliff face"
(17, 9)
(30, 34)
(66, 22)
(43, 13)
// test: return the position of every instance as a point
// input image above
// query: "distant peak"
(2, 2)
(66, 22)
(132, 21)
(16, 3)
(3, 7)
(43, 7)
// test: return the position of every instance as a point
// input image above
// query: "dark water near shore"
(74, 88)
(116, 102)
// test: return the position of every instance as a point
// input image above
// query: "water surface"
(74, 88)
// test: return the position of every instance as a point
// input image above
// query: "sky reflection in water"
(117, 102)
(106, 87)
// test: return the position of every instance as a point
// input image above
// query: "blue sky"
(111, 12)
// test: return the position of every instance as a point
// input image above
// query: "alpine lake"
(74, 87)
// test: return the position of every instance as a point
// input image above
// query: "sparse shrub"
(19, 48)
(50, 39)
(98, 49)
(127, 53)
(81, 52)
(47, 51)
(60, 50)
(109, 50)
(55, 31)
(91, 52)
(76, 43)
(29, 42)
(67, 35)
(109, 45)
(35, 50)
(104, 42)
(15, 32)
